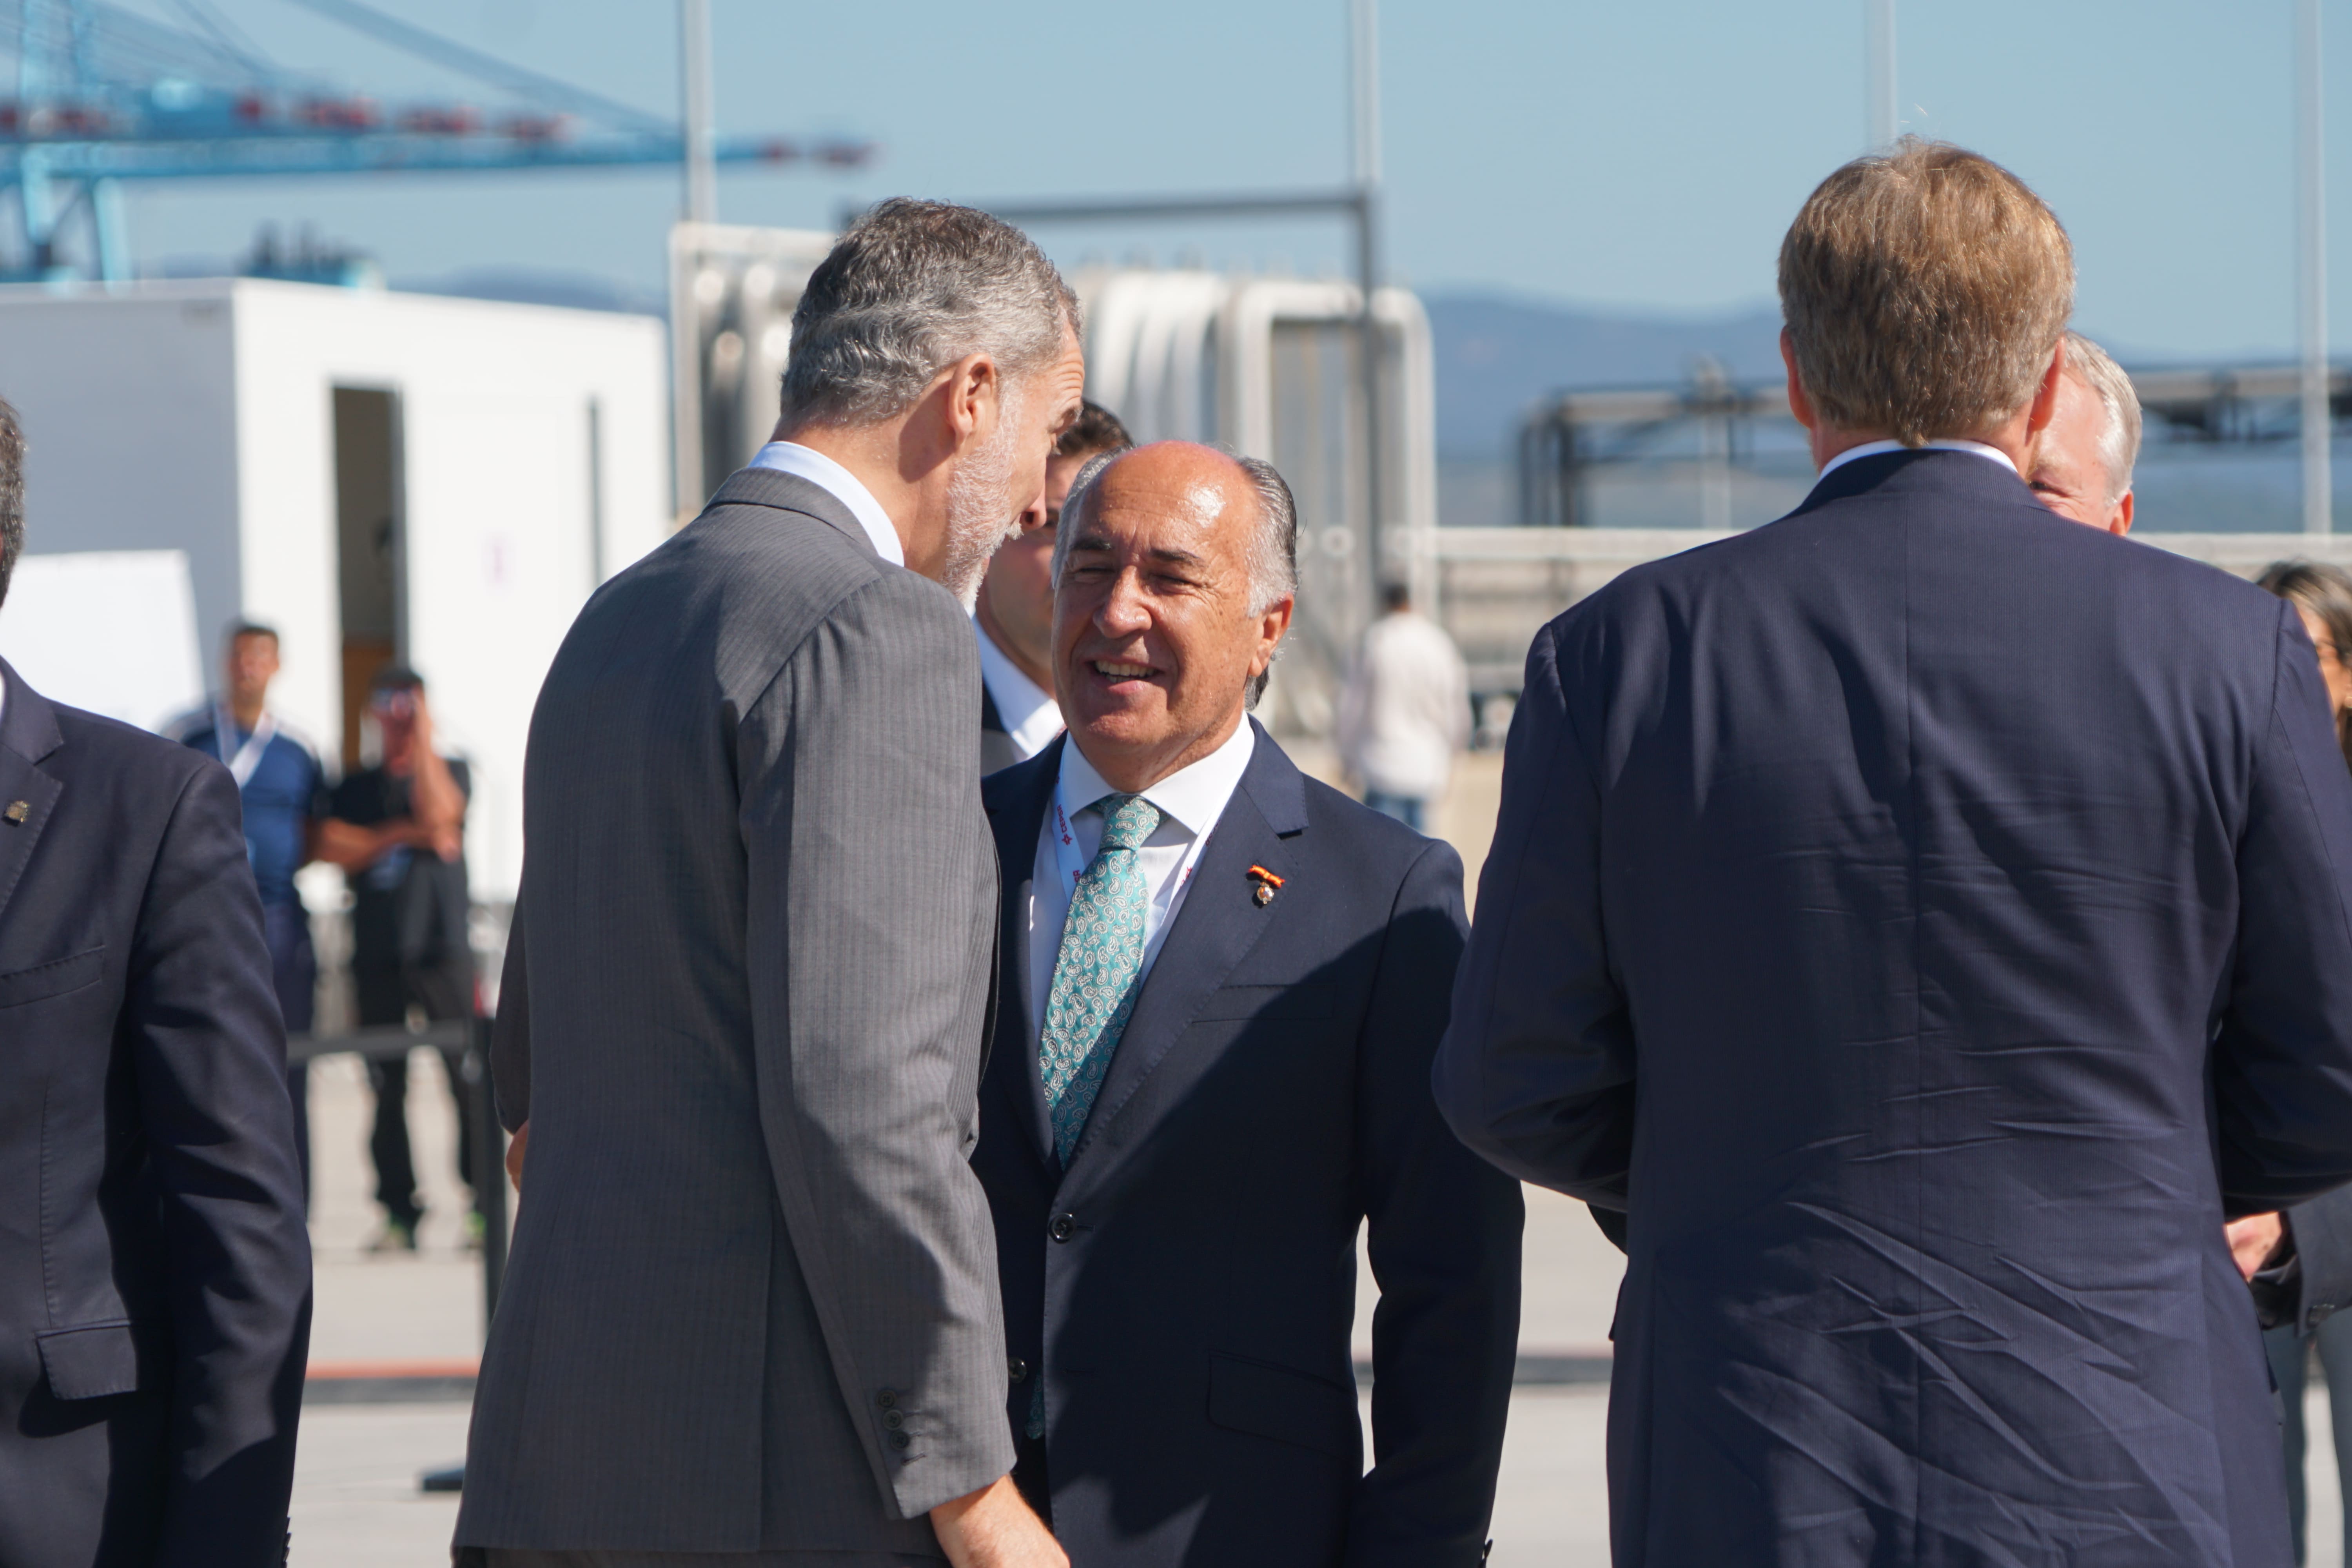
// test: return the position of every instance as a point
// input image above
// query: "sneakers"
(394, 1236)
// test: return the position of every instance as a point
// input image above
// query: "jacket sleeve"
(1536, 1072)
(510, 1032)
(1443, 1238)
(201, 1025)
(2321, 1233)
(2282, 1054)
(872, 906)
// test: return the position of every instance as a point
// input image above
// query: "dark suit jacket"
(996, 748)
(1187, 1289)
(751, 1304)
(2312, 1281)
(1927, 918)
(155, 1271)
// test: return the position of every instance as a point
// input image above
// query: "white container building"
(378, 476)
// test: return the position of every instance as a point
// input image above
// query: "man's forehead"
(1172, 503)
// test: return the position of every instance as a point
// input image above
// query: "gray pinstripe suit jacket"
(752, 1303)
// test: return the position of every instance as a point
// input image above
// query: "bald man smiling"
(1223, 988)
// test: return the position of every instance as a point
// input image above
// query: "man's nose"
(1123, 611)
(1033, 516)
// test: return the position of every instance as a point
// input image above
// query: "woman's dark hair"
(2325, 591)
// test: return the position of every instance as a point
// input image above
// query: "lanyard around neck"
(248, 755)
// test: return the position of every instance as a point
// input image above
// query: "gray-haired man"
(753, 1313)
(2081, 466)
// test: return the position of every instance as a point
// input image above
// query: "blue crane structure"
(105, 94)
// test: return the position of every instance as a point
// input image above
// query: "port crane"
(104, 94)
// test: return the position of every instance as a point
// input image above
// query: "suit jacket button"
(894, 1419)
(1062, 1226)
(1019, 1369)
(888, 1399)
(900, 1440)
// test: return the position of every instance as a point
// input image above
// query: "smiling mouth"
(1112, 670)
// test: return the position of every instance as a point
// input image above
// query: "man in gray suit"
(751, 1316)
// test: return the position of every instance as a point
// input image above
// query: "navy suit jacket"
(1926, 918)
(1187, 1288)
(155, 1271)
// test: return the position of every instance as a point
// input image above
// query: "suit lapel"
(1013, 1066)
(29, 732)
(1220, 923)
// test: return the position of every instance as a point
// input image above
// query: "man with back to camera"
(155, 1271)
(752, 1312)
(1221, 987)
(279, 785)
(398, 832)
(1014, 617)
(1926, 923)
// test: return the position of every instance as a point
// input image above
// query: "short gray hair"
(2119, 437)
(913, 286)
(1274, 543)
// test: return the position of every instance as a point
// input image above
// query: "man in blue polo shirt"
(282, 787)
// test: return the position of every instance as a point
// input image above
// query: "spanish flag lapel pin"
(1267, 883)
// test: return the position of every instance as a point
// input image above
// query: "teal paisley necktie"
(1095, 972)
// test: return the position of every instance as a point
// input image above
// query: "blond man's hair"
(1923, 289)
(2092, 366)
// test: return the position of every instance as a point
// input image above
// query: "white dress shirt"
(1873, 448)
(1032, 718)
(1191, 800)
(808, 463)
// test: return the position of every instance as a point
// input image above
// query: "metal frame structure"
(732, 294)
(1359, 205)
(1568, 436)
(104, 95)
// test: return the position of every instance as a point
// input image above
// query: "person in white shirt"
(1013, 619)
(1404, 711)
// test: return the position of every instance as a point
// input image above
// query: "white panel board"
(113, 631)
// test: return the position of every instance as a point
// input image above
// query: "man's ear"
(2045, 397)
(1271, 626)
(2120, 524)
(975, 398)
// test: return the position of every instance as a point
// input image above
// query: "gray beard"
(981, 516)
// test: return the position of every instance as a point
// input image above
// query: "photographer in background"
(397, 830)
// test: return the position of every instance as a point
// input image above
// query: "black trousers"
(384, 998)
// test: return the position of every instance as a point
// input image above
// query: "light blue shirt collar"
(808, 463)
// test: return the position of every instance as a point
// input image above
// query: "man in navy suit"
(1223, 986)
(1926, 921)
(154, 1272)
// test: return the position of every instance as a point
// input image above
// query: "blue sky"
(1639, 157)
